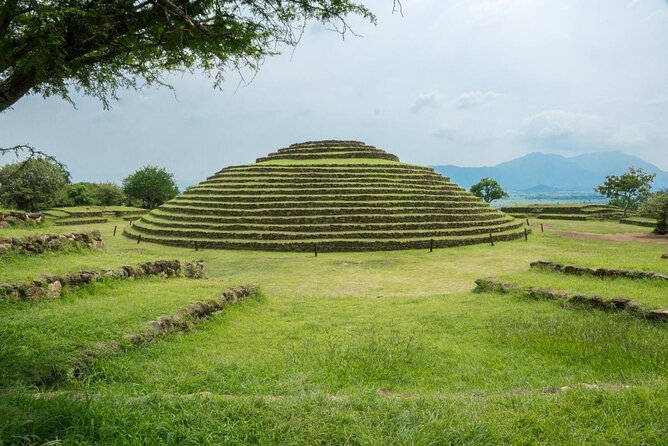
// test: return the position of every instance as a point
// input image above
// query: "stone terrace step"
(371, 185)
(332, 155)
(327, 168)
(325, 177)
(325, 199)
(340, 188)
(330, 149)
(328, 143)
(319, 211)
(345, 227)
(328, 218)
(343, 205)
(331, 245)
(146, 228)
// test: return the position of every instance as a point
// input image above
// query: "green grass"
(348, 348)
(419, 347)
(36, 338)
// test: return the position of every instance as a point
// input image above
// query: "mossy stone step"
(320, 210)
(329, 218)
(372, 186)
(341, 189)
(330, 245)
(147, 228)
(324, 200)
(330, 168)
(289, 179)
(328, 143)
(343, 227)
(325, 150)
(345, 155)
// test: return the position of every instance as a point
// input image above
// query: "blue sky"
(467, 82)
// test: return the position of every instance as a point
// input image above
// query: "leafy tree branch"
(98, 47)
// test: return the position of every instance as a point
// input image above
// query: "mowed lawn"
(364, 348)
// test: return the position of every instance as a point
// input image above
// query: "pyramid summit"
(338, 195)
(329, 150)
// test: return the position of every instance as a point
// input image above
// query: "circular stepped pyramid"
(338, 195)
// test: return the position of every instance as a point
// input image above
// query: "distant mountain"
(541, 172)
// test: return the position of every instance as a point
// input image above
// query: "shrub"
(33, 184)
(656, 206)
(152, 185)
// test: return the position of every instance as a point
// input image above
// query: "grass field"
(346, 348)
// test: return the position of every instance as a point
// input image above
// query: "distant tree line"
(630, 191)
(40, 183)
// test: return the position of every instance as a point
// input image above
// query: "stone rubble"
(597, 272)
(19, 218)
(40, 243)
(616, 304)
(51, 286)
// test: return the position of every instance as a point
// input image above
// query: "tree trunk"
(14, 88)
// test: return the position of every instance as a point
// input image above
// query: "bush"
(152, 185)
(79, 194)
(32, 185)
(656, 206)
(92, 194)
(109, 194)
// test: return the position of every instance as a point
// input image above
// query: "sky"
(465, 82)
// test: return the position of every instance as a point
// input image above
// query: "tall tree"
(628, 190)
(489, 190)
(32, 185)
(656, 206)
(100, 46)
(152, 185)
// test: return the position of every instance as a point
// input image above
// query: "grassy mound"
(333, 195)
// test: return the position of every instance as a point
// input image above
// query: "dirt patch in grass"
(622, 237)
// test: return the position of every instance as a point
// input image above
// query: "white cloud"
(558, 57)
(471, 135)
(562, 130)
(552, 125)
(475, 98)
(488, 12)
(431, 100)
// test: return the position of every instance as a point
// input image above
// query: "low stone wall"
(88, 221)
(598, 302)
(129, 213)
(183, 317)
(51, 286)
(84, 214)
(597, 272)
(644, 224)
(40, 243)
(18, 218)
(562, 217)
